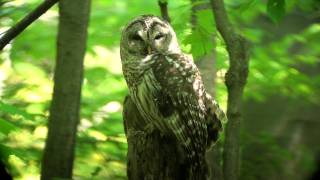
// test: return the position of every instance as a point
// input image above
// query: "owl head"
(147, 35)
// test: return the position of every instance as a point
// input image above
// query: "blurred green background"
(280, 129)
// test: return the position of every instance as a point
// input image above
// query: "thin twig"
(238, 50)
(25, 22)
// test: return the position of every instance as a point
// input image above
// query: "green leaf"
(201, 38)
(14, 111)
(6, 127)
(5, 152)
(276, 9)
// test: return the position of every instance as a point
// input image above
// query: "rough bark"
(25, 22)
(64, 111)
(238, 50)
(150, 155)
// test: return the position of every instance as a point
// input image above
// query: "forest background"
(279, 136)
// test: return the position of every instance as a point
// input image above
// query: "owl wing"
(182, 87)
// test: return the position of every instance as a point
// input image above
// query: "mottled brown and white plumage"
(166, 86)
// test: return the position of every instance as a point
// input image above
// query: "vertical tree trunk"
(236, 76)
(150, 155)
(64, 111)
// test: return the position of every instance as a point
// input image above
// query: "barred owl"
(166, 86)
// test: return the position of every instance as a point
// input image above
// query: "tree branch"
(238, 50)
(25, 22)
(222, 21)
(164, 9)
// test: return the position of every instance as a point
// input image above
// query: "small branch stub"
(164, 10)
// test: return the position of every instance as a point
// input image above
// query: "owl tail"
(215, 118)
(214, 108)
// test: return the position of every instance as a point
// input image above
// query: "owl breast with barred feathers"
(166, 86)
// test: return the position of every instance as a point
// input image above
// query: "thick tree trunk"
(64, 111)
(236, 76)
(151, 155)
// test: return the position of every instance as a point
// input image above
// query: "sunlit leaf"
(6, 127)
(13, 110)
(5, 152)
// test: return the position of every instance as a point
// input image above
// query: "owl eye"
(159, 36)
(136, 37)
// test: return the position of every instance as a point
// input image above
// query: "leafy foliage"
(276, 9)
(6, 127)
(284, 62)
(202, 37)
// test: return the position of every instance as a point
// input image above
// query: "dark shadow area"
(316, 173)
(4, 174)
